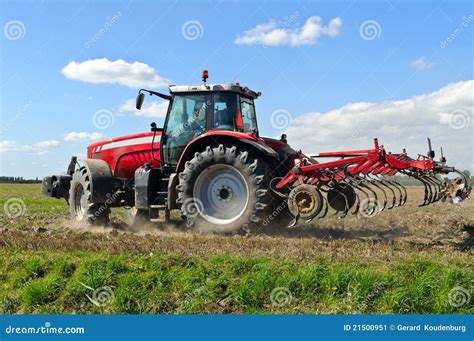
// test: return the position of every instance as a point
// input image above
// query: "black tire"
(212, 166)
(82, 209)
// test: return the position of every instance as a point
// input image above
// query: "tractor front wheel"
(81, 208)
(222, 190)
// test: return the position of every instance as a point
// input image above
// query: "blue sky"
(307, 77)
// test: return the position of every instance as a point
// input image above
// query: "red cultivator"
(364, 174)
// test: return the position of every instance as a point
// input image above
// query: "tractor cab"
(197, 109)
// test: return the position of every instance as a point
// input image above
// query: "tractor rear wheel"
(81, 208)
(223, 190)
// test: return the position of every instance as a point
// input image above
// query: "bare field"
(439, 224)
(417, 255)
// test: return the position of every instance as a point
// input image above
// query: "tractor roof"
(230, 87)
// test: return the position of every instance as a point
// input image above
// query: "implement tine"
(389, 186)
(427, 193)
(437, 188)
(341, 214)
(467, 184)
(351, 182)
(403, 192)
(372, 191)
(376, 184)
(430, 187)
(367, 196)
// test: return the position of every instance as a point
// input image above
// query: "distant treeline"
(18, 180)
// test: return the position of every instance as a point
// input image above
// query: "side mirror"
(140, 99)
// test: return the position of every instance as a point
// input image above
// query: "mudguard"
(103, 184)
(223, 136)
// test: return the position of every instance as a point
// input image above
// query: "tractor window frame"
(251, 102)
(165, 161)
(212, 121)
(239, 97)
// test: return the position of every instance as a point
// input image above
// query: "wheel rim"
(221, 194)
(306, 202)
(78, 202)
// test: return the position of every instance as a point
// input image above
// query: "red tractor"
(210, 162)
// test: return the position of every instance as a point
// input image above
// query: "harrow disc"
(305, 202)
(341, 197)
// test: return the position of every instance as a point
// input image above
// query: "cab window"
(248, 114)
(225, 110)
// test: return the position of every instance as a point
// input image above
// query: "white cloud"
(153, 109)
(38, 148)
(7, 146)
(46, 144)
(271, 34)
(133, 75)
(421, 64)
(82, 136)
(445, 115)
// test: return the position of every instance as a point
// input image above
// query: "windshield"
(186, 120)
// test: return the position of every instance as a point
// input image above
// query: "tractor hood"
(124, 154)
(122, 141)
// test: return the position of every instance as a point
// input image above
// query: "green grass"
(57, 282)
(406, 260)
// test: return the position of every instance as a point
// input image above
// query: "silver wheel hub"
(221, 194)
